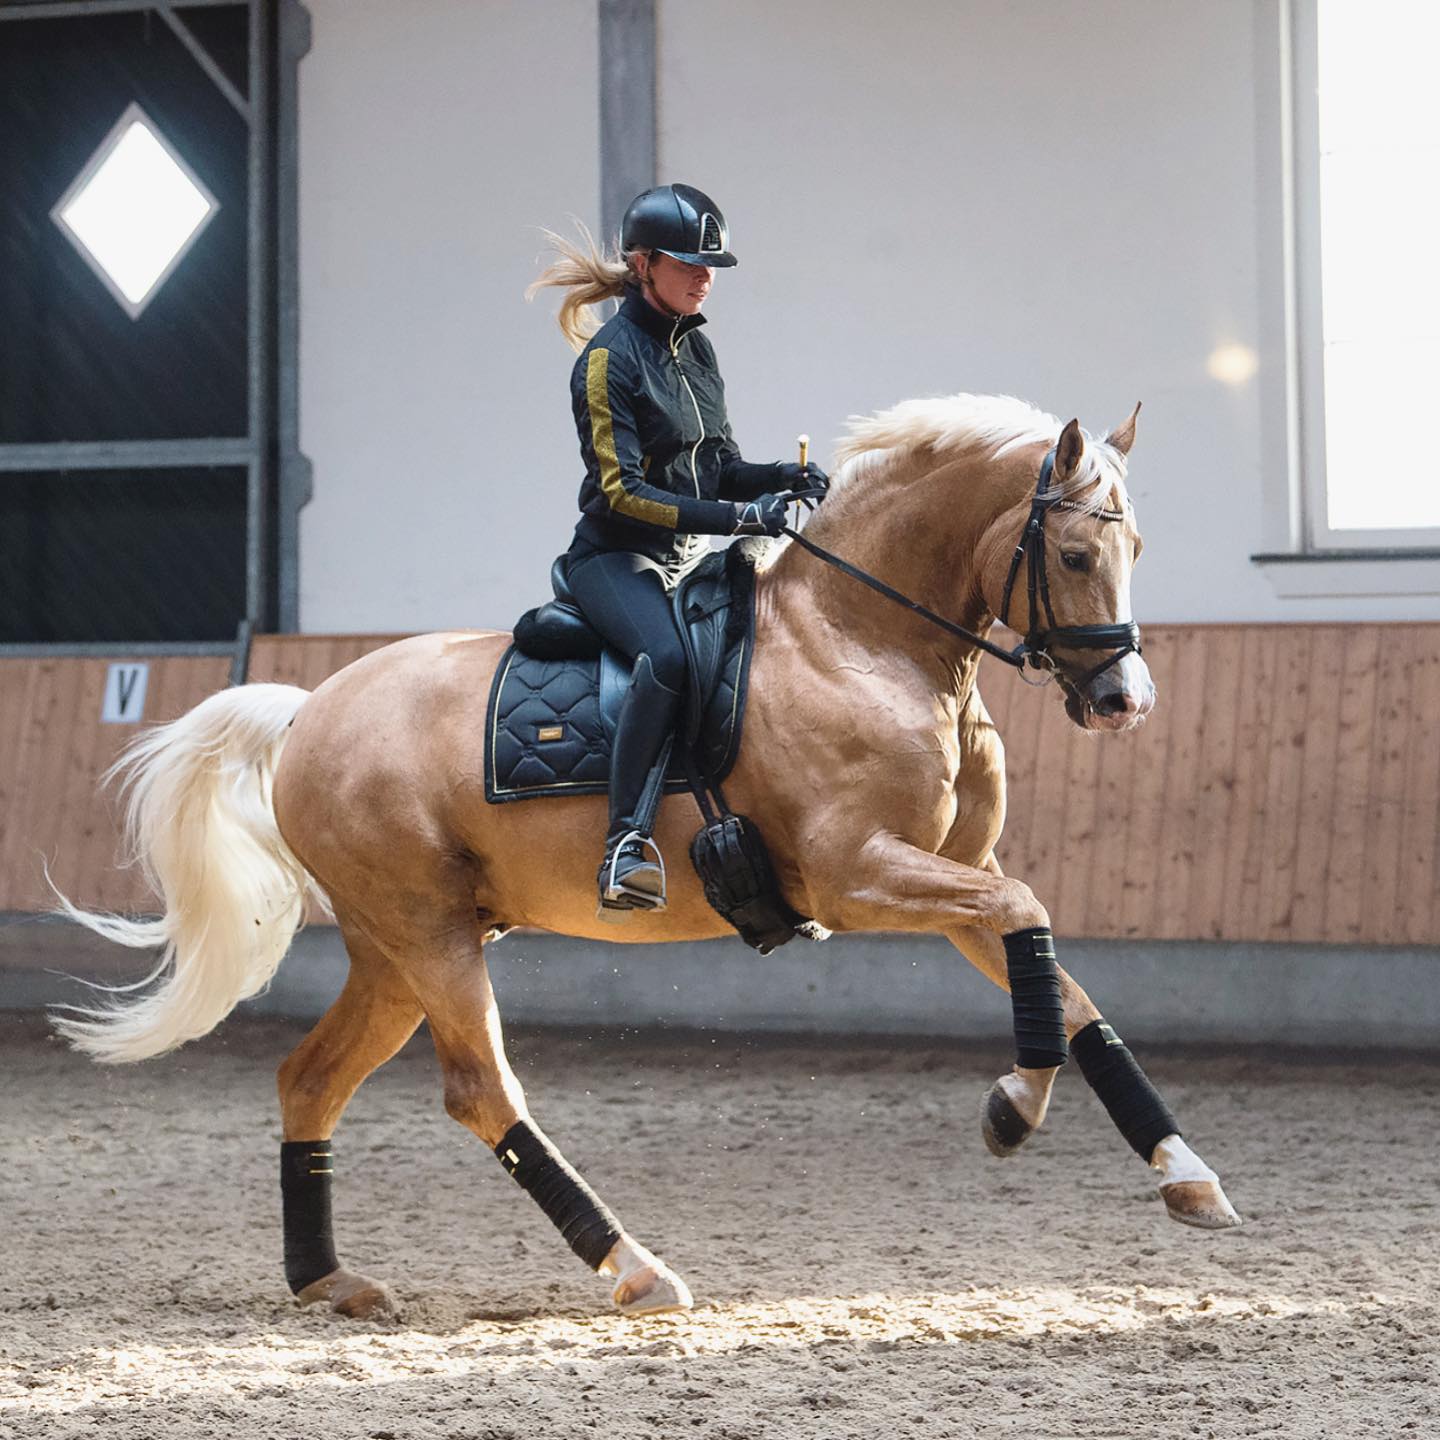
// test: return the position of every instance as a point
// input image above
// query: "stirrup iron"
(615, 894)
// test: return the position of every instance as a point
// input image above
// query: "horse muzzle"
(1116, 700)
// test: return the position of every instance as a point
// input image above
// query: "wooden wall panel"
(53, 750)
(309, 660)
(1286, 787)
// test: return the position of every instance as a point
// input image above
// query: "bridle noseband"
(1124, 635)
(1034, 649)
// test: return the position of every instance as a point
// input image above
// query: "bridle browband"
(1034, 649)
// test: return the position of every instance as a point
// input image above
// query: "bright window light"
(134, 210)
(1379, 216)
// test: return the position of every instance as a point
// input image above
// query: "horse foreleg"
(375, 1014)
(483, 1094)
(1015, 1105)
(891, 884)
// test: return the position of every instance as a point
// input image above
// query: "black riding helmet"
(680, 221)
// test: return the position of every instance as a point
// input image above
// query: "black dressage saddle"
(557, 693)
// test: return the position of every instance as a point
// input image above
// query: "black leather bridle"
(1123, 636)
(1034, 649)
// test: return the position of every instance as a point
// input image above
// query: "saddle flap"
(702, 606)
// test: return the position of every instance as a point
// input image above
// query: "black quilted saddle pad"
(550, 723)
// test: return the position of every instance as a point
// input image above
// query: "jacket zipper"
(695, 448)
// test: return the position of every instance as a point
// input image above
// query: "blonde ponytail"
(587, 276)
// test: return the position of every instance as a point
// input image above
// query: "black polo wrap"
(306, 1169)
(573, 1207)
(1123, 1088)
(1035, 998)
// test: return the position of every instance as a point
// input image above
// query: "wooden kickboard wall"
(1286, 786)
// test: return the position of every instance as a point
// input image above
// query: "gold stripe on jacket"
(602, 434)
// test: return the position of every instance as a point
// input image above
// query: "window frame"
(1316, 535)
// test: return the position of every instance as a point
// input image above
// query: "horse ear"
(1122, 437)
(1068, 450)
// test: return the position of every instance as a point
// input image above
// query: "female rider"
(661, 470)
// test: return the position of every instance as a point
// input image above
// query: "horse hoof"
(1005, 1129)
(357, 1297)
(652, 1290)
(1200, 1203)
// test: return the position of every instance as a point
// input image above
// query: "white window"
(1367, 171)
(134, 210)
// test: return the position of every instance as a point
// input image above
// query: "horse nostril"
(1117, 702)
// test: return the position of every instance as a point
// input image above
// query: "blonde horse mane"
(885, 441)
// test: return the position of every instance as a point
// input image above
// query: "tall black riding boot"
(632, 875)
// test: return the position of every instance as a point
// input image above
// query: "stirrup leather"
(615, 894)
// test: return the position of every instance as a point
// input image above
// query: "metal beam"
(124, 455)
(71, 9)
(257, 530)
(627, 107)
(115, 650)
(240, 653)
(295, 480)
(206, 62)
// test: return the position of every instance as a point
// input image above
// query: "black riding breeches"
(623, 596)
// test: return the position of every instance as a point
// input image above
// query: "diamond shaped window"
(134, 210)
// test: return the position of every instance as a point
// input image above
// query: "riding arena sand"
(862, 1267)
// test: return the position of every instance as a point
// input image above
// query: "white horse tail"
(200, 822)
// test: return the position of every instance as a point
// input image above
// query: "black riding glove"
(805, 477)
(766, 515)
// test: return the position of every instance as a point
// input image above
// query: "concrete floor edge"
(1207, 992)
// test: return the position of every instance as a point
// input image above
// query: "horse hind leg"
(482, 1093)
(375, 1014)
(1015, 1106)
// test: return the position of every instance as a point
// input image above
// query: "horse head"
(1060, 576)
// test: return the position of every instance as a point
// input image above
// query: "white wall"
(1074, 202)
(436, 136)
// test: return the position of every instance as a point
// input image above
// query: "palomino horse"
(868, 762)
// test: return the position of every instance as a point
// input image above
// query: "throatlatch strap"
(574, 1208)
(1035, 998)
(1123, 1088)
(306, 1167)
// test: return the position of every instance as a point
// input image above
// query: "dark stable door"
(153, 552)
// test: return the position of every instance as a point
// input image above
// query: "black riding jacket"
(660, 461)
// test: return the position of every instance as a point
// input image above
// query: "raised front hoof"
(652, 1290)
(357, 1297)
(1005, 1129)
(1200, 1203)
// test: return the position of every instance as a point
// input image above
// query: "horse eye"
(1074, 559)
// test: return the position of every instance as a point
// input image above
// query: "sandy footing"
(862, 1267)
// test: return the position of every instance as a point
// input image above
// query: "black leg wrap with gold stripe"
(1035, 998)
(573, 1207)
(306, 1167)
(1123, 1088)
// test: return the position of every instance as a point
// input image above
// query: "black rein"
(1034, 649)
